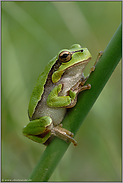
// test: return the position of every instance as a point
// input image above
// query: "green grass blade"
(73, 120)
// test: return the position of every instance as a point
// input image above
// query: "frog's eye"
(65, 56)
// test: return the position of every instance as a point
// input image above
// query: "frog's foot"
(76, 91)
(63, 134)
(65, 130)
(85, 87)
(82, 88)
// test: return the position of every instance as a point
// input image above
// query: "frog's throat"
(56, 76)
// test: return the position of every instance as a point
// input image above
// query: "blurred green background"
(32, 34)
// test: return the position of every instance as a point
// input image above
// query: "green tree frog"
(56, 90)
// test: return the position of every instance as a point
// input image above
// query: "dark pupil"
(64, 55)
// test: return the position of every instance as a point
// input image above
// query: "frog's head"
(69, 58)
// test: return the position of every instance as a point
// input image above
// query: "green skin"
(42, 128)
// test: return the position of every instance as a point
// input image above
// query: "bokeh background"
(32, 34)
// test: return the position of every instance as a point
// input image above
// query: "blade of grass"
(73, 120)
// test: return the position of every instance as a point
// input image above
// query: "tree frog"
(56, 90)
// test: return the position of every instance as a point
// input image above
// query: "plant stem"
(73, 120)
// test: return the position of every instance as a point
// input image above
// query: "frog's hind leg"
(63, 134)
(38, 130)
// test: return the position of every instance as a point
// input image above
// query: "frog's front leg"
(80, 85)
(93, 67)
(83, 80)
(53, 100)
(98, 57)
(75, 91)
(39, 130)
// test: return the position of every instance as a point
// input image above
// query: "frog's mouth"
(84, 62)
(56, 76)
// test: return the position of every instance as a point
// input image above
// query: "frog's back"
(39, 87)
